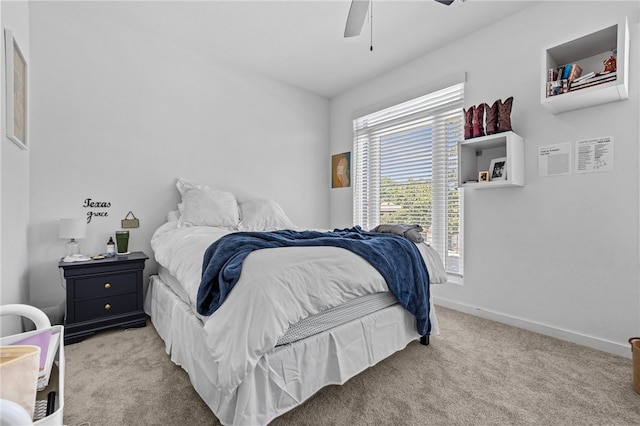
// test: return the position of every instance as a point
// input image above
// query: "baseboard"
(547, 330)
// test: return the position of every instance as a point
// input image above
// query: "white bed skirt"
(289, 374)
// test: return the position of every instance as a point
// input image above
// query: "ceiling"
(301, 42)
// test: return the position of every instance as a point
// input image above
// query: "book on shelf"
(584, 76)
(569, 72)
(587, 83)
(559, 79)
(563, 71)
(575, 72)
(557, 87)
(596, 77)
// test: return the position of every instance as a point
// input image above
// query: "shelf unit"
(589, 51)
(475, 155)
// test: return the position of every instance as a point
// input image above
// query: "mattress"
(318, 323)
(325, 320)
(276, 386)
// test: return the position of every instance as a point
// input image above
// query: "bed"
(298, 319)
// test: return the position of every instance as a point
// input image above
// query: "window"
(406, 170)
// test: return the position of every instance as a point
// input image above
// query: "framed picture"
(483, 176)
(341, 170)
(16, 74)
(498, 169)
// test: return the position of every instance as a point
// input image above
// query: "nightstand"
(102, 294)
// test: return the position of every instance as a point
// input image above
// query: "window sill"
(455, 279)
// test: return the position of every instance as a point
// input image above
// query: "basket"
(52, 378)
(635, 348)
(19, 366)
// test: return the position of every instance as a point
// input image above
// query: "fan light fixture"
(358, 13)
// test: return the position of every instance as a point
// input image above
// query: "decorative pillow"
(263, 214)
(173, 216)
(183, 186)
(411, 232)
(208, 207)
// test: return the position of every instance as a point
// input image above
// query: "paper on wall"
(554, 159)
(594, 155)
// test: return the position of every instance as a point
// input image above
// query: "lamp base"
(73, 248)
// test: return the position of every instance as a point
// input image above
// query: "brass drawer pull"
(107, 307)
(107, 285)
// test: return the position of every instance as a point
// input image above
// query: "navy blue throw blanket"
(397, 259)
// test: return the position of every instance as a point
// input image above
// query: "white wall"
(14, 186)
(118, 114)
(560, 255)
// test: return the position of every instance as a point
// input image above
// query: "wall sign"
(90, 204)
(583, 156)
(554, 159)
(594, 155)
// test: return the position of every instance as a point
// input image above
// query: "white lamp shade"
(73, 228)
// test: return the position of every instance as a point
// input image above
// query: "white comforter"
(278, 287)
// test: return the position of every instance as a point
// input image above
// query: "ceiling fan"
(358, 12)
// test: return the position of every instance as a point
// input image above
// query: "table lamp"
(73, 229)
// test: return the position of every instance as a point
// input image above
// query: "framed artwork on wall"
(16, 76)
(341, 170)
(498, 169)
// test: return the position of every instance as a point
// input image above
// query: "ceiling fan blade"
(447, 2)
(355, 19)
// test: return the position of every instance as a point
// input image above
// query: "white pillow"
(183, 186)
(208, 207)
(173, 216)
(263, 214)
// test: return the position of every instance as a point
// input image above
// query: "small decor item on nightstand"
(130, 223)
(122, 240)
(111, 247)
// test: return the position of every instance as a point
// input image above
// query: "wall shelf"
(589, 51)
(475, 155)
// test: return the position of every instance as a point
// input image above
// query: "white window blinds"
(405, 169)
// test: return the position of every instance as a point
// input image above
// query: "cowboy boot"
(468, 123)
(504, 115)
(478, 121)
(492, 117)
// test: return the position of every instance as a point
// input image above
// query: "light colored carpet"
(476, 372)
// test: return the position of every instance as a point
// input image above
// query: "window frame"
(432, 109)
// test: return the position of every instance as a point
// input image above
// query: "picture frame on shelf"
(16, 91)
(498, 169)
(483, 176)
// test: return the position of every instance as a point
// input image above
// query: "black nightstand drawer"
(103, 286)
(102, 294)
(104, 307)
